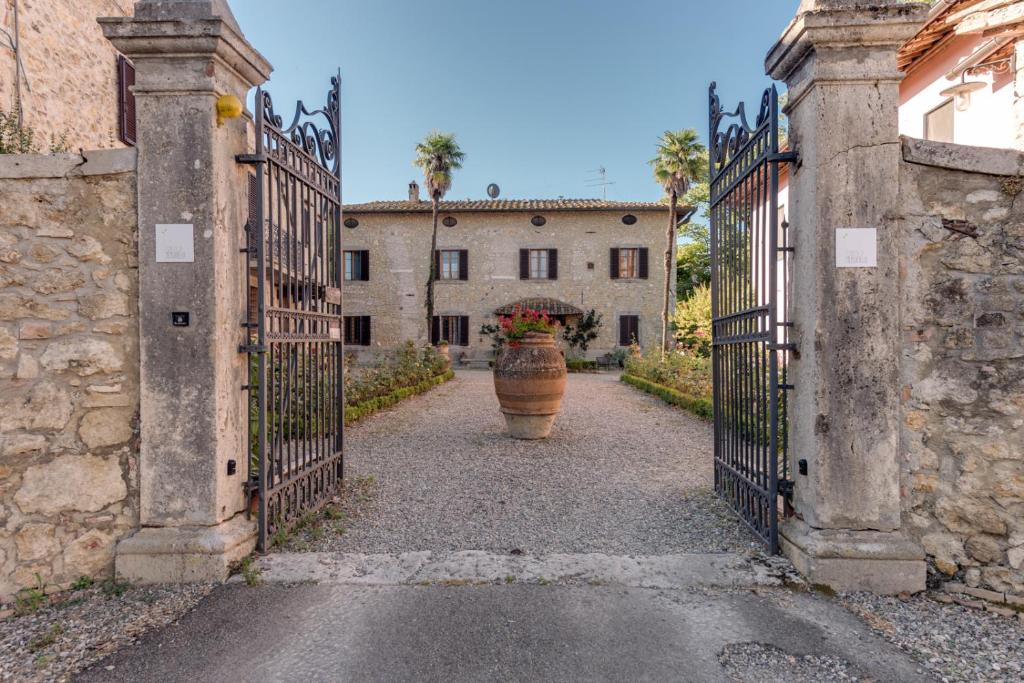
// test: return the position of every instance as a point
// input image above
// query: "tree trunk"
(432, 268)
(673, 212)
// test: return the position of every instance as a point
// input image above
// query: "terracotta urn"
(444, 351)
(529, 378)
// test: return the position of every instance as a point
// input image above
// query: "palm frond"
(681, 160)
(437, 156)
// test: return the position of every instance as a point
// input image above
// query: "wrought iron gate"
(750, 331)
(296, 385)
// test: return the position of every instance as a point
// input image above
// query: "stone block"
(36, 542)
(87, 248)
(58, 281)
(85, 483)
(34, 330)
(85, 357)
(19, 444)
(105, 427)
(28, 367)
(91, 554)
(185, 554)
(880, 562)
(8, 344)
(45, 407)
(102, 305)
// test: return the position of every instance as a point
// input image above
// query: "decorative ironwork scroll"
(750, 333)
(296, 388)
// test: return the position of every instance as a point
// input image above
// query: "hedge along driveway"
(622, 473)
(701, 407)
(364, 409)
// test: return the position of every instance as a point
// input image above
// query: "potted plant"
(445, 352)
(529, 374)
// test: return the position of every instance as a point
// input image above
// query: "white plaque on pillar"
(856, 247)
(175, 243)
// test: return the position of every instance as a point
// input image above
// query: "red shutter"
(463, 264)
(524, 264)
(126, 101)
(364, 257)
(552, 264)
(435, 330)
(614, 263)
(643, 263)
(464, 330)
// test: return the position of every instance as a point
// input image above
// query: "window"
(538, 264)
(629, 329)
(452, 264)
(357, 330)
(938, 123)
(357, 266)
(453, 329)
(629, 263)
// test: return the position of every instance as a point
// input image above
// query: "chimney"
(414, 192)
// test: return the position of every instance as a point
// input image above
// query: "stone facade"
(69, 380)
(962, 365)
(69, 83)
(398, 241)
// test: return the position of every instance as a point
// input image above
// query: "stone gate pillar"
(192, 209)
(838, 58)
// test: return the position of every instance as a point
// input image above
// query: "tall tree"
(681, 161)
(437, 156)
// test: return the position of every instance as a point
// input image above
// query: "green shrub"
(355, 412)
(692, 322)
(700, 406)
(580, 365)
(683, 372)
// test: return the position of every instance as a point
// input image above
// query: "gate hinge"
(251, 158)
(252, 348)
(786, 488)
(787, 157)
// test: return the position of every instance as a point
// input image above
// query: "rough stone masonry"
(69, 384)
(962, 366)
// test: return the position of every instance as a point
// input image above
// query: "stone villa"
(567, 256)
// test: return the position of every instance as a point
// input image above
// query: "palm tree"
(681, 160)
(437, 156)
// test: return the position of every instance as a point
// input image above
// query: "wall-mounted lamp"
(961, 92)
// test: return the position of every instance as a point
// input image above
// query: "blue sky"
(539, 92)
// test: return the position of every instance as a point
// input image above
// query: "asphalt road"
(519, 632)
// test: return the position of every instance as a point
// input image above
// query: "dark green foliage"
(580, 365)
(701, 407)
(365, 408)
(693, 268)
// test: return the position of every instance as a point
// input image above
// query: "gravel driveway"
(622, 473)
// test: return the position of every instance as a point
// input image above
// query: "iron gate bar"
(296, 388)
(748, 356)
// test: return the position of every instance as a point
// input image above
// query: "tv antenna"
(600, 181)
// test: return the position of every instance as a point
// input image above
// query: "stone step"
(469, 567)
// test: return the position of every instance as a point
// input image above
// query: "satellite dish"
(493, 190)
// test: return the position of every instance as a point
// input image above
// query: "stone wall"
(399, 246)
(962, 368)
(69, 382)
(69, 85)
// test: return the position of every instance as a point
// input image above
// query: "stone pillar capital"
(843, 40)
(185, 37)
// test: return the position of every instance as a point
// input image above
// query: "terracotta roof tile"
(406, 206)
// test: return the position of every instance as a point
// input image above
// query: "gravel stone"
(622, 474)
(79, 628)
(953, 642)
(760, 663)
